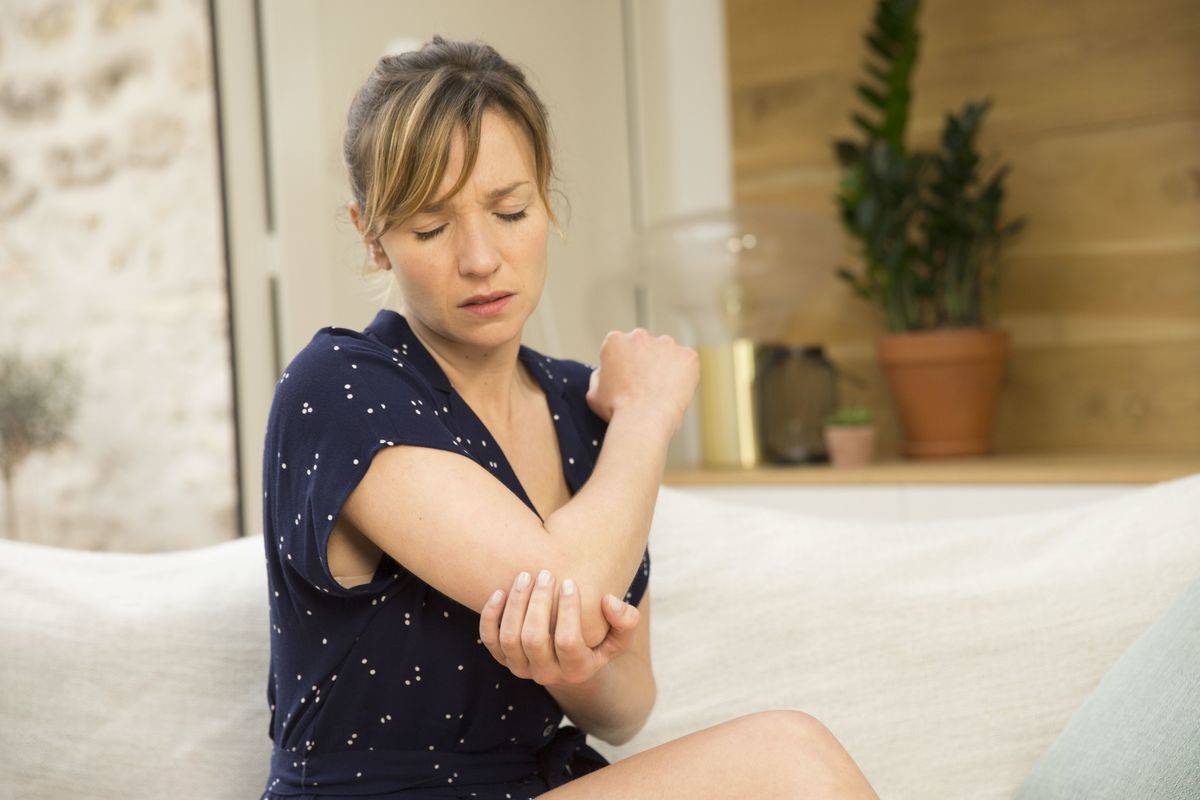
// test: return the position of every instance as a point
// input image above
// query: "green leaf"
(874, 70)
(859, 288)
(847, 152)
(867, 125)
(870, 95)
(880, 45)
(880, 197)
(868, 212)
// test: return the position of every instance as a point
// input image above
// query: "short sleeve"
(597, 426)
(339, 402)
(637, 586)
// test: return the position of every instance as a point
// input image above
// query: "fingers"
(517, 632)
(535, 633)
(619, 613)
(489, 625)
(510, 626)
(575, 658)
(623, 620)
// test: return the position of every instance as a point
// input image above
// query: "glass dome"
(713, 277)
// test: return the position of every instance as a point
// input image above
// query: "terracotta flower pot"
(945, 384)
(850, 445)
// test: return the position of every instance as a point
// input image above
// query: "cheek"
(531, 239)
(417, 270)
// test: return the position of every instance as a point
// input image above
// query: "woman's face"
(490, 237)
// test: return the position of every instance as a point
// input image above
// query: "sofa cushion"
(133, 675)
(1138, 733)
(945, 655)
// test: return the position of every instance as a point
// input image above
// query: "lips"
(487, 310)
(485, 298)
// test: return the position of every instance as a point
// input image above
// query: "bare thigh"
(765, 755)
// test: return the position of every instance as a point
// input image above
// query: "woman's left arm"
(614, 703)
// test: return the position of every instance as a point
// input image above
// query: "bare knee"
(789, 723)
(781, 731)
(804, 748)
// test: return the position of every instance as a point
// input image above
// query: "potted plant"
(930, 233)
(850, 436)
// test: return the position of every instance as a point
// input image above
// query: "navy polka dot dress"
(384, 689)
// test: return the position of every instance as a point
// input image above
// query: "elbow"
(620, 739)
(626, 734)
(593, 624)
(593, 621)
(591, 576)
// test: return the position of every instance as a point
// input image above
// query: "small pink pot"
(850, 445)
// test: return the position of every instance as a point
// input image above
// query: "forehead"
(505, 158)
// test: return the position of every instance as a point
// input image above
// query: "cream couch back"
(945, 655)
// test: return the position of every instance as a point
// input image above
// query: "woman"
(419, 473)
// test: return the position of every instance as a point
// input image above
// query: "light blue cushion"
(1137, 735)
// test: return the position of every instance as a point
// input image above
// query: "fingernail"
(544, 577)
(614, 603)
(522, 580)
(568, 586)
(495, 598)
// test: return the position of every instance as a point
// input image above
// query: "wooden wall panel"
(1086, 186)
(1097, 108)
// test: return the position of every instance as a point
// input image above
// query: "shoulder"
(332, 347)
(343, 372)
(346, 353)
(313, 372)
(329, 348)
(577, 373)
(571, 374)
(575, 376)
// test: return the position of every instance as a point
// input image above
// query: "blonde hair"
(403, 119)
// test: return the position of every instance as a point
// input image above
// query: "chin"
(495, 331)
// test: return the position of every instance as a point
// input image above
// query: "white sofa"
(945, 655)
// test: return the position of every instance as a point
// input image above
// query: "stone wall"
(110, 252)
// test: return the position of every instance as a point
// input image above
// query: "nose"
(478, 254)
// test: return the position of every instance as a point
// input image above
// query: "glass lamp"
(729, 282)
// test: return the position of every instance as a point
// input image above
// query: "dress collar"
(392, 328)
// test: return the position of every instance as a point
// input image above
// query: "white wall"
(317, 54)
(682, 135)
(679, 87)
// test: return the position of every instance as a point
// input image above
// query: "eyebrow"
(494, 194)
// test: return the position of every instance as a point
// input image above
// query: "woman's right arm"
(459, 529)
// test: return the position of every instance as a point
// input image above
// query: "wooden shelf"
(1059, 467)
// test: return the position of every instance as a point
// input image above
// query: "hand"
(522, 640)
(638, 369)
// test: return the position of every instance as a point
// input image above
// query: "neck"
(491, 379)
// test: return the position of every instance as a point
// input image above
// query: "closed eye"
(515, 217)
